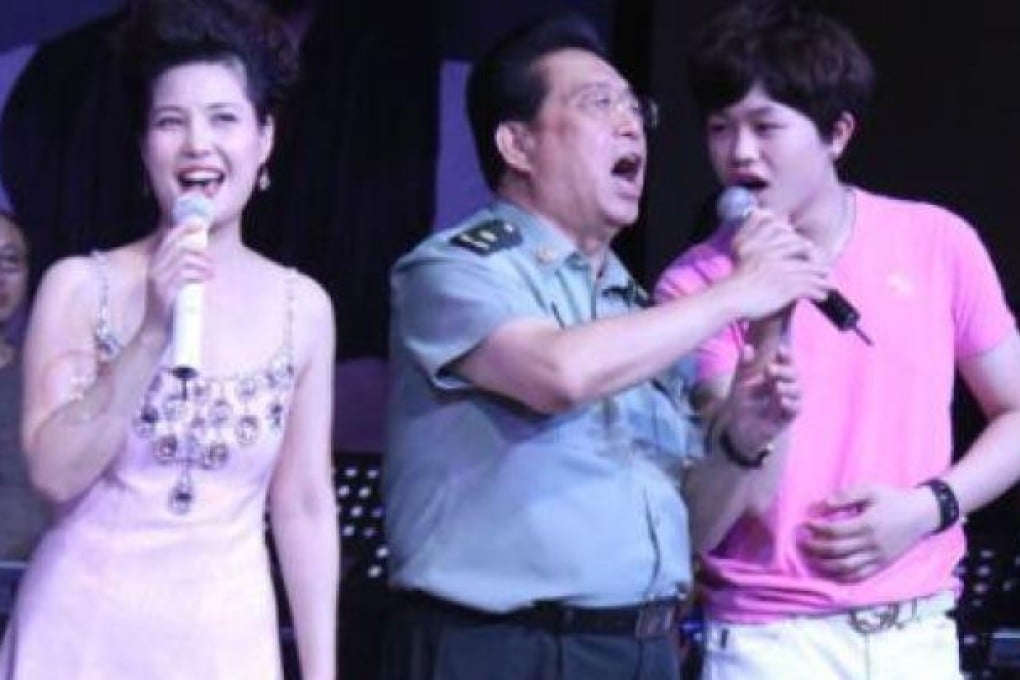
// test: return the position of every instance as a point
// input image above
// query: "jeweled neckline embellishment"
(202, 423)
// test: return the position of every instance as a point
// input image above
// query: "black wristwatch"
(949, 507)
(740, 460)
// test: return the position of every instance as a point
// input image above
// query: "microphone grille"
(192, 206)
(734, 204)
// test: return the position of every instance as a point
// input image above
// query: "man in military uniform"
(537, 431)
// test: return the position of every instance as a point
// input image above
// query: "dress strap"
(107, 344)
(288, 338)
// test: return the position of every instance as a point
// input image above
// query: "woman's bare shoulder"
(69, 278)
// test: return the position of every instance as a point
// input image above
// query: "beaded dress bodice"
(202, 426)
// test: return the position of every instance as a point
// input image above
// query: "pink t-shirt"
(928, 296)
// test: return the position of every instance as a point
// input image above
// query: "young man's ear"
(842, 132)
(514, 143)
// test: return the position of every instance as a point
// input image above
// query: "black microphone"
(734, 205)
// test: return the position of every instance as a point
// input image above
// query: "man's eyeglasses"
(602, 102)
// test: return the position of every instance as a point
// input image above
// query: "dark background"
(944, 127)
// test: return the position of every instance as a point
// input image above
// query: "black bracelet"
(949, 507)
(738, 459)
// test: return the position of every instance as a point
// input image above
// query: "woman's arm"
(302, 500)
(76, 411)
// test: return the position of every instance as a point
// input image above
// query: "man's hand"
(775, 266)
(860, 531)
(763, 399)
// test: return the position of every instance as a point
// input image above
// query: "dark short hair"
(161, 34)
(801, 57)
(506, 85)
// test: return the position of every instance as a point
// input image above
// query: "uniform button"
(545, 254)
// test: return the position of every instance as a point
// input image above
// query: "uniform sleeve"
(689, 274)
(445, 304)
(981, 316)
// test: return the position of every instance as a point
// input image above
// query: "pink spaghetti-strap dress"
(160, 570)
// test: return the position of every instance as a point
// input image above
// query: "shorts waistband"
(871, 619)
(655, 618)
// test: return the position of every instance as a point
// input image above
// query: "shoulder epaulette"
(488, 237)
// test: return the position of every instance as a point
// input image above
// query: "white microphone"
(187, 329)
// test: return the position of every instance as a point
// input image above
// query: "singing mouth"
(203, 179)
(628, 167)
(750, 183)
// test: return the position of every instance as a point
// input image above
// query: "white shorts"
(910, 640)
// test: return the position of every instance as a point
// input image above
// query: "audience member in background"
(156, 563)
(829, 531)
(23, 513)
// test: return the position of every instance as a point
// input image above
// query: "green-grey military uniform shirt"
(496, 506)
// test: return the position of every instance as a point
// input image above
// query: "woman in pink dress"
(156, 566)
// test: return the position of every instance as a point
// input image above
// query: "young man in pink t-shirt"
(827, 513)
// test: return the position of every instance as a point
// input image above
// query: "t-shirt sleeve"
(689, 274)
(445, 304)
(981, 316)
